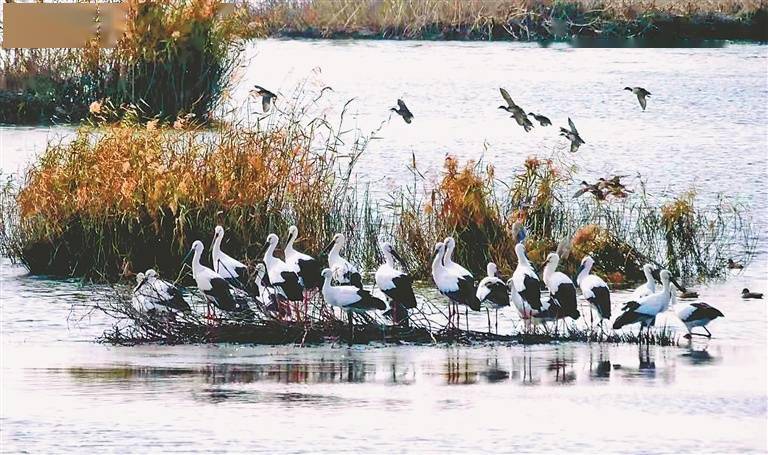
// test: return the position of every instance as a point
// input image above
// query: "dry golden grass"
(480, 19)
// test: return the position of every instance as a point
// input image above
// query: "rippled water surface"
(705, 127)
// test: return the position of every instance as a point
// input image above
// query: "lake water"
(705, 127)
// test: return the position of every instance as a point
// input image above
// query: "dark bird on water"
(572, 135)
(734, 265)
(403, 111)
(266, 97)
(746, 294)
(543, 121)
(641, 95)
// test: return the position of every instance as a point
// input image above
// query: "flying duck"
(593, 188)
(494, 292)
(403, 111)
(697, 315)
(641, 94)
(572, 135)
(266, 97)
(543, 121)
(395, 284)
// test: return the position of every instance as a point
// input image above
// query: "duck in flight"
(403, 111)
(543, 121)
(517, 112)
(266, 97)
(641, 95)
(572, 135)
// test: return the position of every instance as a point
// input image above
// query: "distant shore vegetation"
(658, 22)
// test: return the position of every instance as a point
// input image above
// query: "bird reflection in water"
(600, 368)
(699, 355)
(494, 373)
(459, 372)
(560, 366)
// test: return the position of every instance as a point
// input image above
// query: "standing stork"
(457, 288)
(349, 298)
(214, 287)
(645, 310)
(232, 270)
(308, 267)
(282, 276)
(343, 270)
(560, 287)
(697, 315)
(647, 288)
(464, 276)
(165, 293)
(594, 289)
(527, 284)
(493, 291)
(396, 285)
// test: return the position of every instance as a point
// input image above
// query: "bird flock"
(281, 285)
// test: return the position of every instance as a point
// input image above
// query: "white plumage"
(697, 314)
(594, 289)
(305, 265)
(281, 275)
(647, 288)
(215, 288)
(560, 287)
(344, 272)
(646, 309)
(349, 298)
(526, 284)
(226, 266)
(492, 290)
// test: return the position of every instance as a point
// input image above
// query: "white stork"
(647, 288)
(463, 275)
(343, 271)
(493, 291)
(560, 287)
(282, 276)
(308, 267)
(215, 288)
(697, 315)
(594, 289)
(526, 283)
(349, 298)
(645, 310)
(159, 296)
(232, 270)
(395, 284)
(458, 287)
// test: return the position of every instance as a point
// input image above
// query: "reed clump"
(174, 59)
(511, 19)
(124, 198)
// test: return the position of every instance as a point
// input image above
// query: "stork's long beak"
(328, 247)
(138, 286)
(399, 259)
(578, 272)
(186, 258)
(673, 281)
(264, 249)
